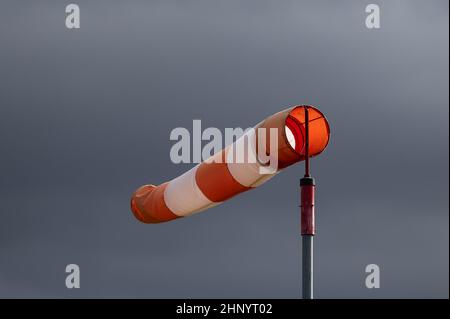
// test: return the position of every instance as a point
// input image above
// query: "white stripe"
(183, 197)
(247, 173)
(264, 178)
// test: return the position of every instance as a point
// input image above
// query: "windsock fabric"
(220, 177)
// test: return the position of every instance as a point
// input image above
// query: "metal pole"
(307, 266)
(307, 189)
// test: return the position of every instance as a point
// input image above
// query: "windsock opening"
(291, 138)
(294, 134)
(295, 131)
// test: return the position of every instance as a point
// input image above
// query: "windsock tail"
(150, 198)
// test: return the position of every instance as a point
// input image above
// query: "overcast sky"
(85, 118)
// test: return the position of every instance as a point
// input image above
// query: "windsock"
(222, 176)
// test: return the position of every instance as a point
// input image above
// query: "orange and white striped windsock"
(224, 175)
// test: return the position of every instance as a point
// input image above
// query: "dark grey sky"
(85, 117)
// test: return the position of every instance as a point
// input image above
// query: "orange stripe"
(216, 182)
(148, 204)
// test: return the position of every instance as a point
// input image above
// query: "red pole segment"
(307, 188)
